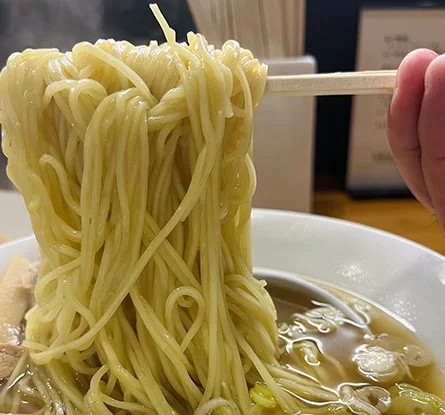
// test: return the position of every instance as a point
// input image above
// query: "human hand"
(416, 127)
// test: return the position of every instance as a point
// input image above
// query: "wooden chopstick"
(340, 83)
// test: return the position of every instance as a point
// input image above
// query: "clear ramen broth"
(334, 341)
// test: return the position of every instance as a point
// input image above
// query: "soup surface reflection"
(317, 340)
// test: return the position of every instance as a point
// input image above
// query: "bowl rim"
(338, 221)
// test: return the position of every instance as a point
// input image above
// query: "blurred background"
(292, 36)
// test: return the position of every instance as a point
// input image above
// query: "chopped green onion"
(262, 396)
(417, 356)
(409, 400)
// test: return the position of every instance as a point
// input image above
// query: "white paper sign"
(385, 37)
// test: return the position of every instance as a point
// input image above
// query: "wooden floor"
(404, 217)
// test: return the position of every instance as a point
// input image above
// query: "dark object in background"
(331, 36)
(133, 20)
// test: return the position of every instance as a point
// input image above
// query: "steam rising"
(47, 23)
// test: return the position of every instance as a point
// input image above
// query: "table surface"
(405, 217)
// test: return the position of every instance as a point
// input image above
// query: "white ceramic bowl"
(404, 277)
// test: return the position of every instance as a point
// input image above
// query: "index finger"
(403, 118)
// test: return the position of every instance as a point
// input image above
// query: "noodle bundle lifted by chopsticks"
(135, 165)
